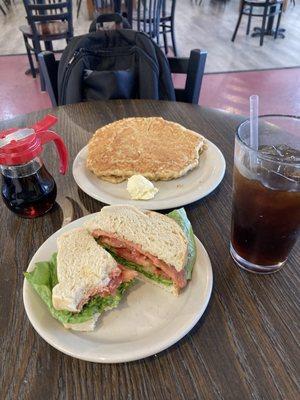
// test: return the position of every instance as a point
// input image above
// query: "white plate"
(175, 193)
(147, 321)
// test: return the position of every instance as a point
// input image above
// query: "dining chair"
(270, 8)
(167, 23)
(48, 20)
(193, 67)
(2, 10)
(155, 17)
(116, 21)
(103, 5)
(5, 6)
(147, 16)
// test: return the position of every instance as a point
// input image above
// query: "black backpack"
(119, 20)
(116, 64)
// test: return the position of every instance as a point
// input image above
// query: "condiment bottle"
(28, 189)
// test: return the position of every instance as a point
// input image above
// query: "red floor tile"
(19, 93)
(279, 90)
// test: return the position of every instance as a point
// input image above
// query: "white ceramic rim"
(178, 201)
(136, 353)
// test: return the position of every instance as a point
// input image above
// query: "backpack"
(118, 19)
(116, 64)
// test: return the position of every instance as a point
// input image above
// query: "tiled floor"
(19, 93)
(279, 90)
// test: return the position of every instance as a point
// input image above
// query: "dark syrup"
(29, 196)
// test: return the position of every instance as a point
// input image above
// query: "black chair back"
(168, 9)
(193, 67)
(147, 18)
(40, 12)
(104, 3)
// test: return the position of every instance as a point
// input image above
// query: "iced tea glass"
(266, 194)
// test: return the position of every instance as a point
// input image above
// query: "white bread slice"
(86, 326)
(82, 267)
(156, 233)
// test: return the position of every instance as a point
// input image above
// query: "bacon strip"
(133, 252)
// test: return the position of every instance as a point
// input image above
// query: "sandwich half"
(153, 244)
(81, 281)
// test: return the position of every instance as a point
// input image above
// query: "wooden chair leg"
(78, 7)
(2, 9)
(173, 39)
(42, 81)
(7, 4)
(29, 55)
(263, 27)
(249, 20)
(157, 39)
(48, 45)
(278, 23)
(237, 26)
(36, 53)
(37, 50)
(165, 39)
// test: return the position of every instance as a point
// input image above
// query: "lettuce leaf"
(44, 277)
(137, 267)
(182, 220)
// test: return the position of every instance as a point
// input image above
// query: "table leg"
(269, 30)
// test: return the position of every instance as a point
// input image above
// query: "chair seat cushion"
(51, 28)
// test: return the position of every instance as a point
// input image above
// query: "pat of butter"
(139, 188)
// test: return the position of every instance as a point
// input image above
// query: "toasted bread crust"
(82, 267)
(156, 233)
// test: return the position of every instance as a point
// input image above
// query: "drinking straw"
(254, 122)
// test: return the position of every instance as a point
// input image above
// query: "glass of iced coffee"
(266, 194)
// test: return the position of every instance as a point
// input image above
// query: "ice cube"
(279, 180)
(281, 152)
(274, 172)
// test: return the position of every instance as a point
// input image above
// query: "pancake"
(152, 147)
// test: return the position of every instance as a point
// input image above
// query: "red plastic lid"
(19, 146)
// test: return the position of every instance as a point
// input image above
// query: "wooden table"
(245, 345)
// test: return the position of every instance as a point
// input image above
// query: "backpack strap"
(120, 22)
